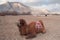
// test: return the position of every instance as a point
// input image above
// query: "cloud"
(41, 2)
(13, 0)
(50, 7)
(3, 1)
(28, 1)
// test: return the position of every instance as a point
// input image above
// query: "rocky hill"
(14, 8)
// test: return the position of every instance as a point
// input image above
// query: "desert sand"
(9, 30)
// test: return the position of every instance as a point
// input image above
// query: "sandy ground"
(9, 30)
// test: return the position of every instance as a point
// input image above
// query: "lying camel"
(31, 29)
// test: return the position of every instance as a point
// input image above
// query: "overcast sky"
(53, 5)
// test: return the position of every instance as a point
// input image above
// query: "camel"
(31, 29)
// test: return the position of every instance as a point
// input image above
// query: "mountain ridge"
(14, 7)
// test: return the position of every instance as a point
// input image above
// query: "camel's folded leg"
(30, 36)
(32, 32)
(43, 30)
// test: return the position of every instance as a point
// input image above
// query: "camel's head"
(21, 23)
